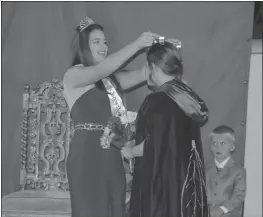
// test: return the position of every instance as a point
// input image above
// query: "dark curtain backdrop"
(216, 37)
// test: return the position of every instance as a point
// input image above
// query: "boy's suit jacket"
(226, 187)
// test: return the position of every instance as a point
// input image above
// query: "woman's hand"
(130, 144)
(146, 40)
(131, 151)
(126, 151)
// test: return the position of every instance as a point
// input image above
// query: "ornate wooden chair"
(46, 133)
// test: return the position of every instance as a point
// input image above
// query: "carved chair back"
(46, 133)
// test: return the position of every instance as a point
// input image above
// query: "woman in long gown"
(96, 175)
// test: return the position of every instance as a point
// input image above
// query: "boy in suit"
(225, 179)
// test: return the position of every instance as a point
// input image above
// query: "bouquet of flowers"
(119, 130)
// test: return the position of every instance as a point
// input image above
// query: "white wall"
(253, 148)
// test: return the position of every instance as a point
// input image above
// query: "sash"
(117, 107)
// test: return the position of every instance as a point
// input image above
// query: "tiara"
(87, 21)
(175, 42)
(159, 40)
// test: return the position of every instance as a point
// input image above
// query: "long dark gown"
(167, 181)
(96, 176)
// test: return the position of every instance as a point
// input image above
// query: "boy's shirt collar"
(222, 164)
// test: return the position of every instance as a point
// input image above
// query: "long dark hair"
(81, 49)
(167, 57)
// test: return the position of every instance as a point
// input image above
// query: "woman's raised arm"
(130, 78)
(80, 76)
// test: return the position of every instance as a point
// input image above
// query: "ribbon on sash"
(117, 107)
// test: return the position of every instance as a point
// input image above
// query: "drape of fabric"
(187, 99)
(169, 179)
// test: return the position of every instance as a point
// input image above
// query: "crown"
(87, 21)
(159, 40)
(162, 39)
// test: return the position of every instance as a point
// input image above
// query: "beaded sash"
(116, 103)
(117, 107)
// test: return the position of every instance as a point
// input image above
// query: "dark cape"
(169, 179)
